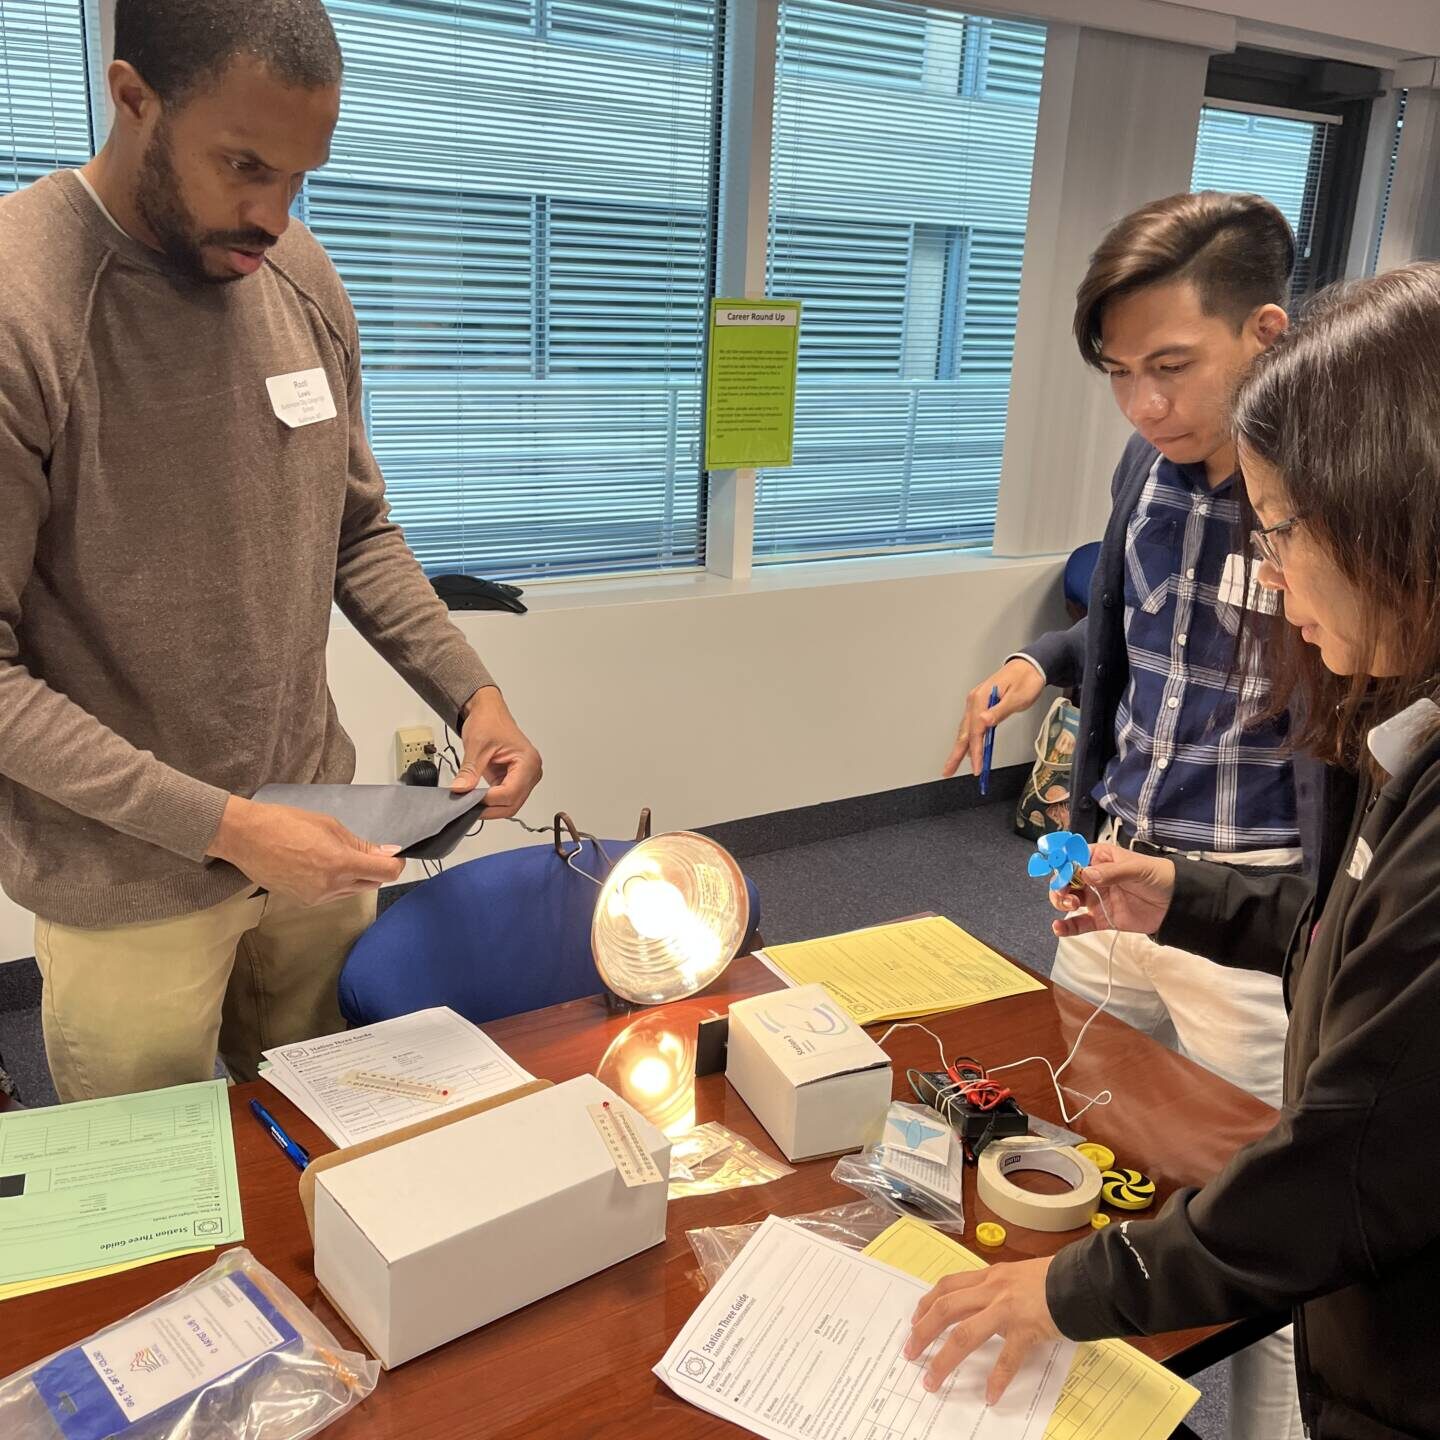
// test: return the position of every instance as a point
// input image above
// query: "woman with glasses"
(1335, 1214)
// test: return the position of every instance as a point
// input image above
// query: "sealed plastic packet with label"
(233, 1355)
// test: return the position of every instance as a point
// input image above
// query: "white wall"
(713, 700)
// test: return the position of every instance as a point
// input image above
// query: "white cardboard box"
(439, 1234)
(815, 1080)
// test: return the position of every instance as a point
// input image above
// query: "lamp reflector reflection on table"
(651, 1065)
(672, 914)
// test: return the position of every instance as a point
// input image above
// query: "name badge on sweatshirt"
(301, 398)
(1234, 591)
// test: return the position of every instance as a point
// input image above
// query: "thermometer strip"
(395, 1085)
(632, 1159)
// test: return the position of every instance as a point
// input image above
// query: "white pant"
(1232, 1022)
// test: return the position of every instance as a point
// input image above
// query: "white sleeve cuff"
(1039, 668)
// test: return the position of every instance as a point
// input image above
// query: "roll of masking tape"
(1001, 1158)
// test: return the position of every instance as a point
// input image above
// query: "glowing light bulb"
(673, 913)
(656, 908)
(651, 1076)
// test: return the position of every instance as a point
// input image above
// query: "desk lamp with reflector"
(672, 913)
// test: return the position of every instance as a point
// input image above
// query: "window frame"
(676, 518)
(81, 26)
(1318, 208)
(1302, 86)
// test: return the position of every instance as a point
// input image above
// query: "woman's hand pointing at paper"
(1006, 1300)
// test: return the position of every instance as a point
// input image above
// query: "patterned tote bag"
(1045, 801)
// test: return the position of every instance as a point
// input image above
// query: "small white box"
(815, 1080)
(439, 1234)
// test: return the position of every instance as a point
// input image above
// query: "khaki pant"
(138, 1007)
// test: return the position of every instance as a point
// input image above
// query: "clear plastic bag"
(914, 1170)
(855, 1225)
(711, 1158)
(232, 1355)
(897, 1195)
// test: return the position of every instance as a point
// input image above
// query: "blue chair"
(1079, 573)
(493, 937)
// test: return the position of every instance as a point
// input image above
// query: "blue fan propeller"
(913, 1133)
(1057, 856)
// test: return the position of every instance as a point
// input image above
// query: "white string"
(943, 1094)
(1104, 1097)
(946, 1094)
(915, 1025)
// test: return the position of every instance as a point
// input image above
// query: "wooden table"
(578, 1364)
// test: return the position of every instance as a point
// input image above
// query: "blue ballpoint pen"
(989, 744)
(299, 1157)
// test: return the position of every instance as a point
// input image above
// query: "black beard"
(157, 199)
(161, 206)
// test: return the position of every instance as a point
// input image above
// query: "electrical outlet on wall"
(411, 744)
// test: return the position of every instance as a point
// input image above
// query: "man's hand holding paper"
(496, 750)
(312, 858)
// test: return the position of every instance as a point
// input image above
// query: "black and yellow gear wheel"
(1127, 1189)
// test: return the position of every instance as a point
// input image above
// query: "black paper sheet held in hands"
(425, 822)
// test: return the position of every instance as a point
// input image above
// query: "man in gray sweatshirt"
(186, 486)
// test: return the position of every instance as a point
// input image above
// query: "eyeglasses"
(1265, 540)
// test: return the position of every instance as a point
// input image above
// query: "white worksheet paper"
(437, 1046)
(801, 1339)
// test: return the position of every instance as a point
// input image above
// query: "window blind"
(1283, 159)
(1009, 59)
(900, 187)
(518, 202)
(44, 104)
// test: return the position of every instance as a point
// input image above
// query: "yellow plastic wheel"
(1127, 1189)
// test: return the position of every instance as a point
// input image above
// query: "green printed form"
(102, 1182)
(750, 383)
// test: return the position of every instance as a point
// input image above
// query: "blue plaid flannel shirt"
(1187, 772)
